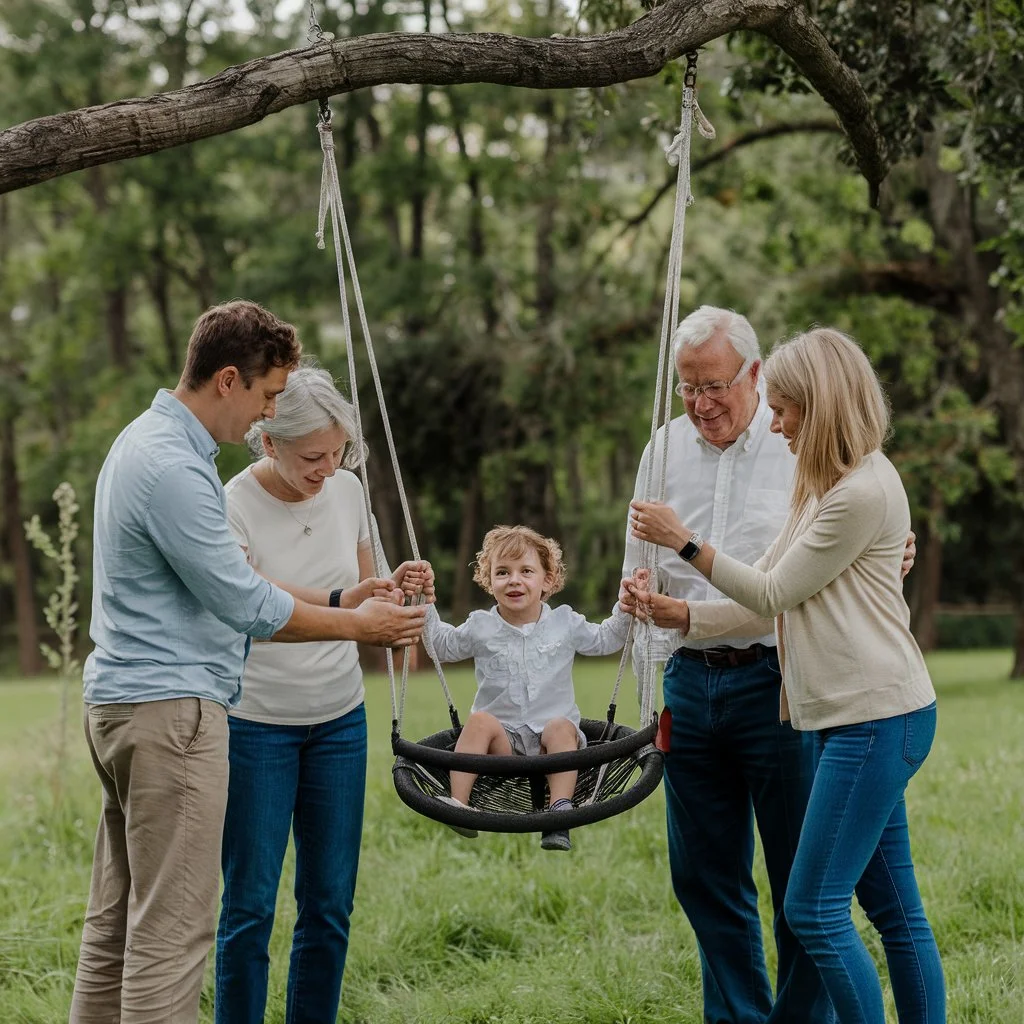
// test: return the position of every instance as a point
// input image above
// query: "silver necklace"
(306, 528)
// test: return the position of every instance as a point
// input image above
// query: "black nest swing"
(617, 769)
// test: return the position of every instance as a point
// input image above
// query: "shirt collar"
(544, 612)
(199, 437)
(746, 439)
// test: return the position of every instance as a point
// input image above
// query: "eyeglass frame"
(702, 389)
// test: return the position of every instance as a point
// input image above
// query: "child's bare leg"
(560, 735)
(482, 734)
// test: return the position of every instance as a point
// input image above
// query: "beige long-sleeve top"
(831, 580)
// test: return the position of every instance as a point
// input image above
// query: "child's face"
(518, 585)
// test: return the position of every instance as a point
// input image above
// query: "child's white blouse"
(525, 678)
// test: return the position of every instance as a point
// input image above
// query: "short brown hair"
(241, 334)
(514, 542)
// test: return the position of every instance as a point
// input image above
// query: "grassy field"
(496, 931)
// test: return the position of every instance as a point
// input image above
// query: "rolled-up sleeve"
(186, 521)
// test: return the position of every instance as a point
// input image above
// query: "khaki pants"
(153, 900)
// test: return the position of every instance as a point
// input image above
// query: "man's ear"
(755, 370)
(226, 378)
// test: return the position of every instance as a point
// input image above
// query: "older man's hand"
(909, 554)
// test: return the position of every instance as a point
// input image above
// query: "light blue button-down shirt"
(173, 596)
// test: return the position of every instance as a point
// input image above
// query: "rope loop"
(314, 33)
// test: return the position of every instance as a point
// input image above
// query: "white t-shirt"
(309, 683)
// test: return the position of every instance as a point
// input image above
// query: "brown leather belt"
(726, 657)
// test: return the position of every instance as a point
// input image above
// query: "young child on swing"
(523, 652)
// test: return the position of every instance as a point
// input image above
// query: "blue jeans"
(855, 837)
(732, 761)
(311, 778)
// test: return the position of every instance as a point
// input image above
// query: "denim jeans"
(732, 761)
(310, 778)
(855, 837)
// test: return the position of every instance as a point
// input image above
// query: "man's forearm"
(313, 620)
(310, 595)
(381, 622)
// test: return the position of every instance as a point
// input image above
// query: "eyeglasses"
(716, 390)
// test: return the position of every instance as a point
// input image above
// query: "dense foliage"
(511, 248)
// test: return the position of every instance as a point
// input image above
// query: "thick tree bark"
(29, 659)
(61, 143)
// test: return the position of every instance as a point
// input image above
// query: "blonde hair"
(514, 542)
(844, 414)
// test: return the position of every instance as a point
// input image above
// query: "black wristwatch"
(334, 601)
(691, 549)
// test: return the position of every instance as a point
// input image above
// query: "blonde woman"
(851, 670)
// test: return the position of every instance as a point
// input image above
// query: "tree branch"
(746, 139)
(48, 147)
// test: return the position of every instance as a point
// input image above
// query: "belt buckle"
(712, 657)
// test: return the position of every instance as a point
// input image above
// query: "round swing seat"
(618, 768)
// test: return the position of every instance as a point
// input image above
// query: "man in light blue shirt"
(175, 605)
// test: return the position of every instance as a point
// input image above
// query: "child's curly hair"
(514, 542)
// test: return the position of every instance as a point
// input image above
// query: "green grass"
(498, 932)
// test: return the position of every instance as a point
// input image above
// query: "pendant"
(307, 530)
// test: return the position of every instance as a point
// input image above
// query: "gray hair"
(309, 403)
(702, 324)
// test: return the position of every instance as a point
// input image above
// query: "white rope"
(331, 202)
(678, 155)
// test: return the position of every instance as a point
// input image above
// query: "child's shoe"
(469, 833)
(557, 839)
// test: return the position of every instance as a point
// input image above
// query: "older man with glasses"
(731, 761)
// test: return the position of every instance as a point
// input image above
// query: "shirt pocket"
(764, 515)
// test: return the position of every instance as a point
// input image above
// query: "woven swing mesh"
(524, 794)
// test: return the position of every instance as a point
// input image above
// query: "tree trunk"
(926, 579)
(115, 294)
(469, 530)
(159, 284)
(1017, 672)
(30, 660)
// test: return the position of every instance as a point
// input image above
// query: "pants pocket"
(919, 731)
(190, 722)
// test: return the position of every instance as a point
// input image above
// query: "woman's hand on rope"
(636, 599)
(657, 523)
(416, 580)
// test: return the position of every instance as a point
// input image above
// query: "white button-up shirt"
(525, 677)
(736, 498)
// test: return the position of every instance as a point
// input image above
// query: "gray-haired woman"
(298, 735)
